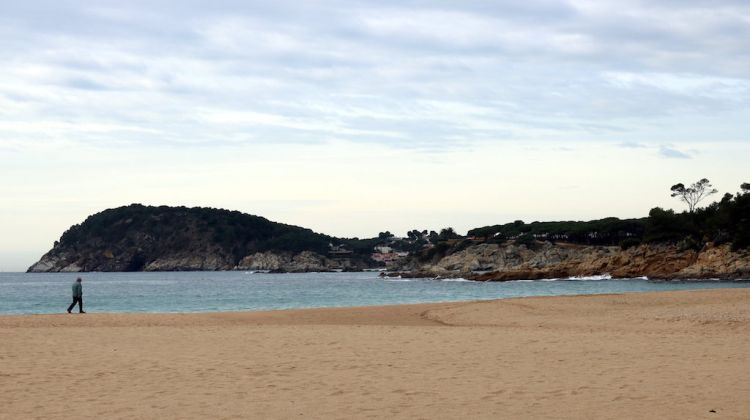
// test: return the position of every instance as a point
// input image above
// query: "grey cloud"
(373, 71)
(632, 145)
(671, 153)
(85, 84)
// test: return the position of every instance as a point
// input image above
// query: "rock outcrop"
(493, 262)
(305, 261)
(286, 262)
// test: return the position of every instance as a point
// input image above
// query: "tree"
(447, 234)
(414, 234)
(745, 187)
(693, 194)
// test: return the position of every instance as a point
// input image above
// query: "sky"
(356, 117)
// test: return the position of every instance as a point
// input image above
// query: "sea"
(172, 292)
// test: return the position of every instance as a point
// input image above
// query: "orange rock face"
(492, 262)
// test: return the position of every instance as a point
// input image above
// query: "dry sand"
(658, 355)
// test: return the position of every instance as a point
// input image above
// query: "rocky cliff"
(305, 261)
(493, 262)
(282, 262)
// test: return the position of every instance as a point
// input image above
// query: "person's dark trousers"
(79, 301)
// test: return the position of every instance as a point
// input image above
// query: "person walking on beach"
(77, 296)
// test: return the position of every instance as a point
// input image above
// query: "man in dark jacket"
(77, 296)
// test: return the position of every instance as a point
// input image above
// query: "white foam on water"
(458, 279)
(531, 281)
(591, 278)
(397, 279)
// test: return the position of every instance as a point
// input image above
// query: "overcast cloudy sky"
(353, 117)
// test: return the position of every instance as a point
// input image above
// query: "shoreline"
(392, 314)
(676, 354)
(474, 276)
(395, 305)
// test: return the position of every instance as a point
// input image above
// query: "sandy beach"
(657, 355)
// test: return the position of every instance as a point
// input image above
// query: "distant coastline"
(710, 242)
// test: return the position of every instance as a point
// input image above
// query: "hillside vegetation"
(129, 237)
(137, 237)
(726, 221)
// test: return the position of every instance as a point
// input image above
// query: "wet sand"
(654, 355)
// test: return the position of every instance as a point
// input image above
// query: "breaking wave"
(593, 278)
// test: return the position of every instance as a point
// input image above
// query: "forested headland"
(138, 237)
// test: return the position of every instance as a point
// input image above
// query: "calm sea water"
(22, 293)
